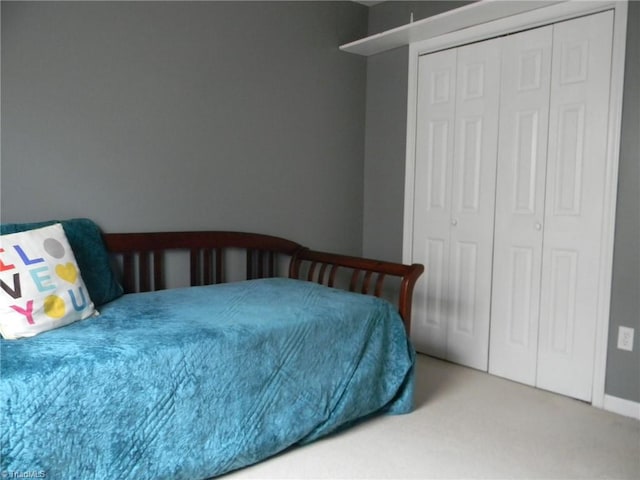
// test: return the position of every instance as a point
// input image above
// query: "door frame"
(530, 19)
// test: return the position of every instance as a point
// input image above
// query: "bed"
(196, 381)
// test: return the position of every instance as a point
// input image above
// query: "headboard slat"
(144, 271)
(272, 264)
(250, 264)
(219, 266)
(207, 261)
(312, 270)
(194, 266)
(158, 270)
(129, 275)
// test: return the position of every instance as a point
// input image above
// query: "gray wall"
(623, 368)
(385, 146)
(186, 115)
(384, 166)
(392, 14)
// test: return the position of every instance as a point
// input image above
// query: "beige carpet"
(468, 424)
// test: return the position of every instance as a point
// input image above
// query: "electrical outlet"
(625, 338)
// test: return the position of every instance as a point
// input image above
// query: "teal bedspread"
(192, 383)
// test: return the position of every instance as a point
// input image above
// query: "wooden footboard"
(142, 260)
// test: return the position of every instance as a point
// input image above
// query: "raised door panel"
(432, 208)
(473, 202)
(520, 194)
(574, 203)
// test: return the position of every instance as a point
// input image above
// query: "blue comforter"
(195, 382)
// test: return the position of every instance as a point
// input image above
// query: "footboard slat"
(379, 283)
(365, 282)
(354, 280)
(322, 272)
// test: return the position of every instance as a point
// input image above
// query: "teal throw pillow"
(85, 239)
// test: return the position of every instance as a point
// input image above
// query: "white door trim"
(542, 16)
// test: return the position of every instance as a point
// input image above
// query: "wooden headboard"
(142, 260)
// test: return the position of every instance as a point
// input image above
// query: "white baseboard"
(622, 406)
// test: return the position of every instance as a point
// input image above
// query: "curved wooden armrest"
(323, 268)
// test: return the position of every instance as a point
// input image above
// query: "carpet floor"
(468, 424)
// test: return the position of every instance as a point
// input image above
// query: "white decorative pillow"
(40, 284)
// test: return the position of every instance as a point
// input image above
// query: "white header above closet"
(512, 14)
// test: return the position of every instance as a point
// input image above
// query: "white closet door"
(473, 202)
(520, 193)
(580, 77)
(432, 204)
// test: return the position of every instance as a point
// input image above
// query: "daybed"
(192, 382)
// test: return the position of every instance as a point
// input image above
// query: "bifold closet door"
(473, 183)
(456, 146)
(520, 194)
(578, 121)
(432, 205)
(547, 253)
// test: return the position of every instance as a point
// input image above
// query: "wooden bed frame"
(142, 260)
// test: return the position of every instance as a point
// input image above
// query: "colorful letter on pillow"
(41, 285)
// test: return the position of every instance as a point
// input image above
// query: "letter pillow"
(41, 286)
